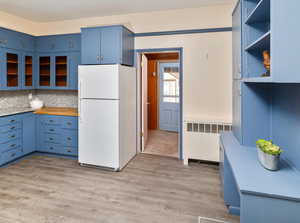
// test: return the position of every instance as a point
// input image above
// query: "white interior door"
(99, 133)
(144, 75)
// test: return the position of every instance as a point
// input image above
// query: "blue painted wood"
(107, 45)
(57, 134)
(28, 131)
(19, 69)
(90, 46)
(252, 178)
(75, 59)
(286, 121)
(183, 32)
(23, 71)
(168, 110)
(110, 45)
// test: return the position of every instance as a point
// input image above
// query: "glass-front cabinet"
(53, 71)
(12, 69)
(44, 71)
(28, 71)
(61, 71)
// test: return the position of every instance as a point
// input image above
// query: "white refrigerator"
(107, 115)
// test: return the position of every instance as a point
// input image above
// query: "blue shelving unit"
(264, 108)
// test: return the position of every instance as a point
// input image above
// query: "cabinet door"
(90, 43)
(2, 68)
(44, 71)
(28, 71)
(61, 71)
(75, 58)
(110, 43)
(237, 42)
(12, 69)
(28, 133)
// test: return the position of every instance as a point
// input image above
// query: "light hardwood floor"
(151, 189)
(162, 143)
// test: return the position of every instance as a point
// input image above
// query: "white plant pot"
(268, 161)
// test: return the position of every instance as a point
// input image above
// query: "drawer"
(52, 129)
(51, 138)
(7, 120)
(11, 127)
(11, 155)
(71, 151)
(69, 138)
(50, 120)
(9, 136)
(49, 148)
(10, 145)
(69, 122)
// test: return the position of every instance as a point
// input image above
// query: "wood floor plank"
(150, 189)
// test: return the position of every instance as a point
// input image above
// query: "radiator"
(201, 140)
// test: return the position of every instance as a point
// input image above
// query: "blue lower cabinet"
(11, 155)
(28, 134)
(57, 134)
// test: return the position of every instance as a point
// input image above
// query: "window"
(171, 85)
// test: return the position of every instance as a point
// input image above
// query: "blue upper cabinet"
(107, 45)
(16, 40)
(58, 43)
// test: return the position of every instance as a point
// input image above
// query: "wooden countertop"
(57, 111)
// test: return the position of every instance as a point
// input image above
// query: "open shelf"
(44, 72)
(61, 71)
(262, 43)
(261, 13)
(258, 80)
(12, 63)
(28, 71)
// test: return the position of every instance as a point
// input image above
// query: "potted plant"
(268, 154)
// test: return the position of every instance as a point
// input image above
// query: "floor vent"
(208, 127)
(210, 220)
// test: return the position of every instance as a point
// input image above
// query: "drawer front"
(11, 127)
(50, 120)
(70, 138)
(52, 129)
(11, 155)
(10, 145)
(69, 122)
(49, 148)
(8, 120)
(51, 138)
(71, 151)
(9, 136)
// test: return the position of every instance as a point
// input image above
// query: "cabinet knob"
(13, 155)
(98, 58)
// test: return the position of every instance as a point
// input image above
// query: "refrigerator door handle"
(79, 107)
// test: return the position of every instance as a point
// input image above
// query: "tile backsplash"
(51, 98)
(12, 99)
(58, 98)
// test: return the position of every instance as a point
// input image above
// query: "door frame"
(137, 64)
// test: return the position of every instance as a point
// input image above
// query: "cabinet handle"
(13, 136)
(13, 120)
(50, 120)
(12, 145)
(69, 150)
(69, 138)
(51, 148)
(13, 155)
(98, 58)
(69, 123)
(51, 130)
(13, 127)
(51, 139)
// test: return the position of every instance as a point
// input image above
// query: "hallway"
(162, 143)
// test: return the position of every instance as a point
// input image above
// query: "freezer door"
(99, 133)
(98, 81)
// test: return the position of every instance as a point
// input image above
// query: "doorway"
(160, 87)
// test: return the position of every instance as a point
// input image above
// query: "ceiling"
(56, 10)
